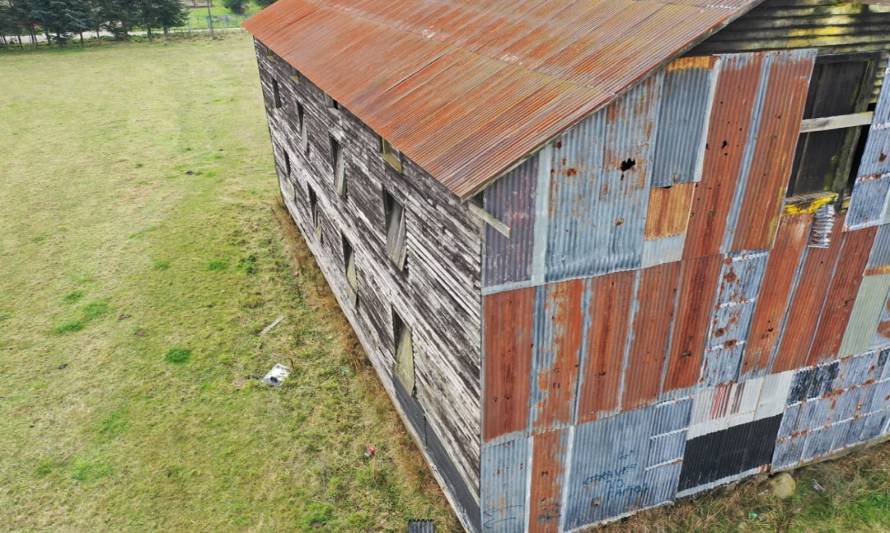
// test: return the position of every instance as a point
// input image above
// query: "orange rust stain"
(698, 287)
(651, 329)
(547, 471)
(772, 301)
(564, 310)
(508, 355)
(668, 210)
(688, 63)
(607, 332)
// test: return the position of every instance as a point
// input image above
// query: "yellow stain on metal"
(809, 204)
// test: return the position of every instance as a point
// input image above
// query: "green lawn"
(142, 250)
(141, 253)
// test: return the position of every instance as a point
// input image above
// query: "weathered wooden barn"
(603, 254)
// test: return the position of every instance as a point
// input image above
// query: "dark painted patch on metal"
(813, 382)
(729, 452)
(508, 322)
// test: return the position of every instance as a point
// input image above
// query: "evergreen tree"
(118, 17)
(265, 3)
(60, 18)
(235, 6)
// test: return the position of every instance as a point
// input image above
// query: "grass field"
(142, 251)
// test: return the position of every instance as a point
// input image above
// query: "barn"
(603, 254)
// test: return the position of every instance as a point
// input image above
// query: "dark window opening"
(286, 162)
(313, 211)
(828, 160)
(478, 199)
(403, 347)
(392, 156)
(349, 269)
(330, 103)
(300, 115)
(276, 94)
(396, 231)
(337, 167)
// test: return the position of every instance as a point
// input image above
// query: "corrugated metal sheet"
(879, 259)
(773, 300)
(839, 302)
(508, 360)
(504, 483)
(466, 89)
(778, 129)
(600, 187)
(683, 119)
(657, 296)
(663, 250)
(511, 200)
(668, 211)
(882, 335)
(737, 88)
(607, 328)
(868, 205)
(829, 26)
(559, 326)
(866, 313)
(548, 475)
(807, 302)
(698, 287)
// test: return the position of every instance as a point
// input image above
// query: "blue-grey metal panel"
(875, 158)
(663, 250)
(788, 451)
(600, 188)
(504, 483)
(854, 370)
(870, 192)
(511, 200)
(672, 416)
(863, 323)
(661, 483)
(683, 114)
(722, 365)
(881, 338)
(868, 202)
(880, 249)
(666, 448)
(741, 277)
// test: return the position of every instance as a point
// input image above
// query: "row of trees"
(60, 20)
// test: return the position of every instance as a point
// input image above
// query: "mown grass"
(141, 252)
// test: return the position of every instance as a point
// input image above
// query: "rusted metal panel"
(683, 121)
(511, 200)
(657, 295)
(882, 335)
(737, 87)
(607, 327)
(548, 474)
(868, 205)
(866, 314)
(807, 302)
(845, 282)
(777, 133)
(668, 211)
(508, 356)
(504, 482)
(773, 299)
(559, 326)
(600, 188)
(538, 72)
(698, 287)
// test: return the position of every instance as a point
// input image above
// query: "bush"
(235, 6)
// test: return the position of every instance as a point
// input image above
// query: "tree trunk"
(81, 38)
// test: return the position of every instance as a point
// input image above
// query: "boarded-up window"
(276, 94)
(286, 162)
(313, 210)
(337, 167)
(330, 103)
(300, 114)
(404, 351)
(396, 232)
(392, 156)
(827, 160)
(350, 270)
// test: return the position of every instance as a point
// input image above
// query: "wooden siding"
(437, 296)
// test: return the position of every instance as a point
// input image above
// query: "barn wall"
(438, 295)
(829, 27)
(657, 324)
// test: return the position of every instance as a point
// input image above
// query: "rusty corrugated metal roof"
(467, 89)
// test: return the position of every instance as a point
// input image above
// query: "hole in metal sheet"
(627, 164)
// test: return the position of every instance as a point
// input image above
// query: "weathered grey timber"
(437, 295)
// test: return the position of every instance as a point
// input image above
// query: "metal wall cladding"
(685, 105)
(467, 89)
(773, 299)
(668, 211)
(866, 314)
(868, 205)
(600, 187)
(833, 406)
(504, 482)
(610, 469)
(879, 259)
(548, 474)
(511, 200)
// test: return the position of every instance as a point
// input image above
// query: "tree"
(61, 18)
(163, 14)
(235, 6)
(118, 17)
(265, 3)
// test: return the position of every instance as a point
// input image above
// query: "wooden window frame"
(350, 270)
(337, 167)
(390, 155)
(395, 227)
(403, 352)
(314, 215)
(276, 94)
